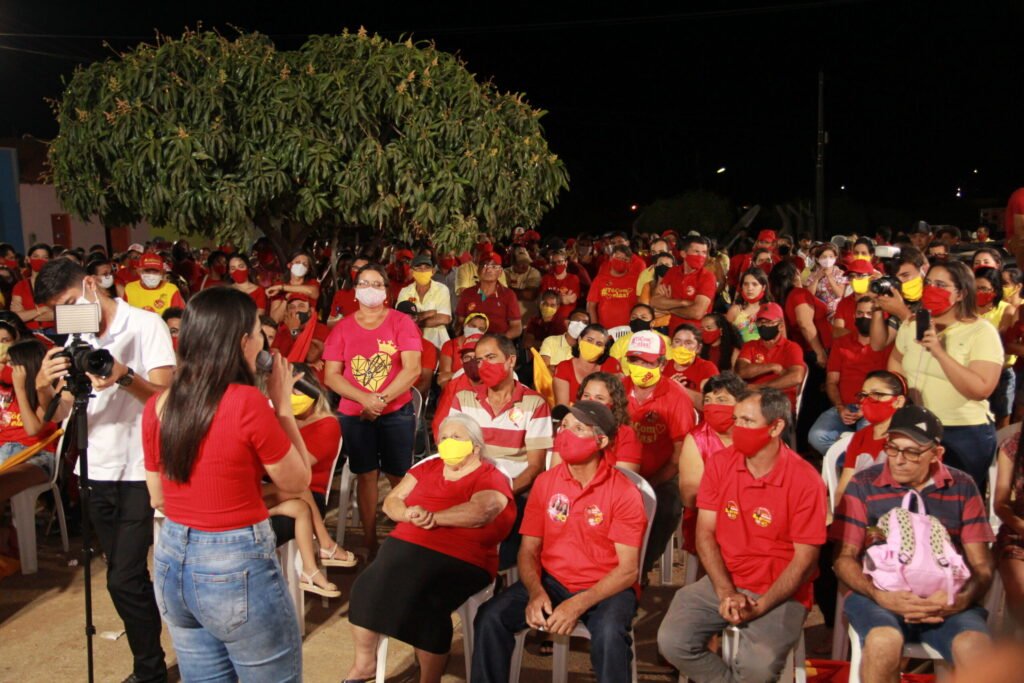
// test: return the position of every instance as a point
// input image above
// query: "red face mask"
(36, 264)
(574, 449)
(877, 411)
(984, 298)
(220, 268)
(711, 336)
(559, 268)
(936, 300)
(447, 263)
(267, 258)
(750, 440)
(719, 416)
(492, 374)
(11, 263)
(240, 276)
(696, 261)
(755, 299)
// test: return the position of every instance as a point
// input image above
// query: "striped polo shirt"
(522, 425)
(952, 497)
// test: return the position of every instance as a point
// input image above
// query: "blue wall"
(10, 211)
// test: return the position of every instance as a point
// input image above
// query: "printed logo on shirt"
(515, 415)
(762, 517)
(472, 306)
(558, 507)
(732, 510)
(371, 372)
(759, 359)
(594, 515)
(690, 291)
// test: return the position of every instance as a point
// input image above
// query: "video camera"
(76, 320)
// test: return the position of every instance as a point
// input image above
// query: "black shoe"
(135, 679)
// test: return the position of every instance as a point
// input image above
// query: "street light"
(633, 207)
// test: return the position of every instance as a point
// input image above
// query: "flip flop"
(328, 557)
(306, 584)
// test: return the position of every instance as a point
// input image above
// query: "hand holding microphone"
(283, 380)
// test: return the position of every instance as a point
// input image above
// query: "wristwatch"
(126, 379)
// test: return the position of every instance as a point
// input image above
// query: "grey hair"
(476, 435)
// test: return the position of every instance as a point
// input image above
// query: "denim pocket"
(160, 570)
(222, 600)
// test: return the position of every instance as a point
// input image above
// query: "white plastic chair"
(912, 650)
(23, 514)
(840, 642)
(560, 654)
(794, 669)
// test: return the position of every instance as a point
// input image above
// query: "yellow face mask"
(683, 355)
(644, 377)
(590, 352)
(913, 289)
(548, 312)
(862, 257)
(301, 404)
(1009, 291)
(454, 451)
(422, 277)
(860, 284)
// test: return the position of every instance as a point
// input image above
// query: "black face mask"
(767, 332)
(472, 368)
(303, 317)
(639, 325)
(863, 326)
(661, 271)
(784, 250)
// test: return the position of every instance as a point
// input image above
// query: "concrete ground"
(42, 630)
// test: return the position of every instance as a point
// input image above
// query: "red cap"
(860, 267)
(403, 254)
(770, 312)
(766, 236)
(646, 345)
(151, 261)
(669, 232)
(469, 343)
(532, 236)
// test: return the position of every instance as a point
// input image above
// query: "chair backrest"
(511, 468)
(800, 397)
(334, 468)
(828, 467)
(417, 402)
(650, 505)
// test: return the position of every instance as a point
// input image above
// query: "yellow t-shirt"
(557, 348)
(995, 316)
(965, 342)
(155, 300)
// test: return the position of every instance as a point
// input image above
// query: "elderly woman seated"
(451, 513)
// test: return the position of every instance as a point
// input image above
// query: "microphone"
(265, 363)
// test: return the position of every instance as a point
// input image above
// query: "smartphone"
(924, 321)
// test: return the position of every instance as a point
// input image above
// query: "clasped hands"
(738, 608)
(559, 620)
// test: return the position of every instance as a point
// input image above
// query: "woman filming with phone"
(952, 359)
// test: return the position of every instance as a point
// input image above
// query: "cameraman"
(119, 503)
(894, 306)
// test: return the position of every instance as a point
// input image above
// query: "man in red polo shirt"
(497, 302)
(582, 534)
(772, 361)
(688, 290)
(761, 518)
(613, 292)
(662, 415)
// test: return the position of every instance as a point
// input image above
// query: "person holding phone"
(952, 359)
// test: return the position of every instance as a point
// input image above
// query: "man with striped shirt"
(884, 620)
(516, 422)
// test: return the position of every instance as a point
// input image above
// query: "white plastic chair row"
(23, 515)
(795, 668)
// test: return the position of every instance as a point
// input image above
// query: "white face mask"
(299, 269)
(106, 281)
(149, 280)
(576, 328)
(826, 261)
(368, 296)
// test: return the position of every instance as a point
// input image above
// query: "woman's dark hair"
(781, 281)
(728, 380)
(730, 341)
(311, 273)
(758, 275)
(817, 251)
(375, 267)
(1013, 274)
(994, 253)
(214, 255)
(992, 275)
(209, 359)
(620, 404)
(13, 330)
(238, 257)
(41, 246)
(692, 329)
(963, 280)
(94, 264)
(895, 383)
(28, 353)
(607, 345)
(866, 241)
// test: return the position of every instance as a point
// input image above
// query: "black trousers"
(123, 521)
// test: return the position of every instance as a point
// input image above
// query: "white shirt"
(437, 299)
(140, 340)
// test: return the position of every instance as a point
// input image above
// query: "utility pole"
(819, 165)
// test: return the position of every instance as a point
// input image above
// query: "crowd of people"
(560, 380)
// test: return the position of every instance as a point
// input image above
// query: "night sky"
(647, 101)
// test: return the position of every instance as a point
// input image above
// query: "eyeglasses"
(493, 266)
(379, 284)
(875, 395)
(910, 454)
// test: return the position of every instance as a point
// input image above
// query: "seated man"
(582, 534)
(883, 620)
(760, 520)
(773, 360)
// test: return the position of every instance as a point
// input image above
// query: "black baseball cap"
(423, 260)
(917, 423)
(407, 307)
(921, 228)
(594, 414)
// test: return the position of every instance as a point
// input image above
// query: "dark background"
(649, 100)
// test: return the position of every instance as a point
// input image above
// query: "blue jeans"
(828, 428)
(43, 460)
(864, 614)
(971, 449)
(226, 604)
(503, 616)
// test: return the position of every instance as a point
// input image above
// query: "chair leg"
(560, 659)
(799, 658)
(840, 639)
(346, 493)
(59, 507)
(516, 666)
(291, 565)
(666, 564)
(23, 512)
(692, 564)
(632, 647)
(855, 655)
(382, 659)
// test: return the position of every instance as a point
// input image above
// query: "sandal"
(328, 558)
(306, 584)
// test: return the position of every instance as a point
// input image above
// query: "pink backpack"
(917, 555)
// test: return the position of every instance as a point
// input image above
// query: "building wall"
(39, 202)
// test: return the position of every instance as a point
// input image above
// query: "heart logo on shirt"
(371, 372)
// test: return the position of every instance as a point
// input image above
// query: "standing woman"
(955, 368)
(208, 441)
(242, 280)
(826, 280)
(753, 291)
(372, 360)
(301, 281)
(22, 299)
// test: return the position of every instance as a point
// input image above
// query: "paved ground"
(42, 631)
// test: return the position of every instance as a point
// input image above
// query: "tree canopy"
(209, 135)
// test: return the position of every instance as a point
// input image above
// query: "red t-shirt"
(1014, 207)
(371, 359)
(23, 288)
(785, 352)
(451, 349)
(191, 272)
(688, 286)
(322, 438)
(568, 285)
(223, 491)
(757, 521)
(12, 428)
(501, 308)
(846, 310)
(863, 441)
(692, 377)
(579, 527)
(447, 397)
(565, 371)
(308, 282)
(853, 361)
(661, 421)
(625, 448)
(615, 298)
(344, 303)
(259, 295)
(434, 493)
(802, 295)
(428, 359)
(284, 340)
